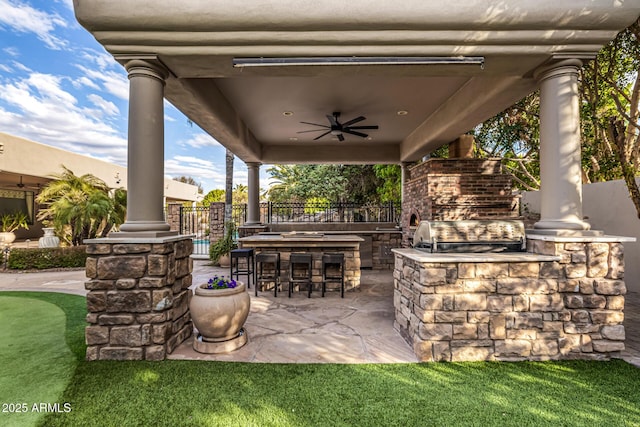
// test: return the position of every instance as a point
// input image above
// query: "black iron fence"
(278, 212)
(196, 220)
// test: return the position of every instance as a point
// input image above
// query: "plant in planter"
(10, 222)
(220, 249)
(219, 309)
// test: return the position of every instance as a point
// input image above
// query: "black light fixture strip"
(358, 60)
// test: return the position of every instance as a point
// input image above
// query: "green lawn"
(190, 393)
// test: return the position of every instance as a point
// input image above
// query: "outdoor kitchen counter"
(439, 257)
(314, 243)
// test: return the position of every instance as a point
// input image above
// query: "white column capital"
(144, 68)
(556, 69)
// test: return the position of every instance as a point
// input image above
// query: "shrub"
(27, 258)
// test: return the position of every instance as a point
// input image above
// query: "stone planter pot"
(49, 240)
(219, 316)
(224, 261)
(7, 238)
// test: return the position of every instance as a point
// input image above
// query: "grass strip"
(198, 393)
(36, 362)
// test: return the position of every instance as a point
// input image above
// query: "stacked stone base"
(138, 300)
(565, 306)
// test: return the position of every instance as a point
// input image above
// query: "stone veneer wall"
(571, 308)
(138, 300)
(456, 189)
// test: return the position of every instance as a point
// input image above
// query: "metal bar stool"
(300, 259)
(333, 260)
(248, 270)
(263, 258)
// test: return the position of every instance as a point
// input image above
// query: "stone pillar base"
(138, 300)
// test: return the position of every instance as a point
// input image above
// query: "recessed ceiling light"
(402, 112)
(293, 138)
(287, 113)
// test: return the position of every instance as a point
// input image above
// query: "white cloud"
(21, 66)
(107, 106)
(84, 81)
(23, 18)
(201, 140)
(38, 108)
(5, 68)
(195, 161)
(113, 82)
(11, 51)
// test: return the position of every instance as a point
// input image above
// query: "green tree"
(81, 207)
(228, 188)
(391, 178)
(610, 95)
(212, 197)
(240, 194)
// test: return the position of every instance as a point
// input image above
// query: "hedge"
(28, 259)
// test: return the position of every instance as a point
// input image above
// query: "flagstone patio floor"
(356, 329)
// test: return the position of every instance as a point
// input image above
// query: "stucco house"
(25, 166)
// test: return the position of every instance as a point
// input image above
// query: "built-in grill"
(470, 236)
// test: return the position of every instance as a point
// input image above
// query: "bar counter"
(314, 243)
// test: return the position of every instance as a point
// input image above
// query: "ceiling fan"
(337, 129)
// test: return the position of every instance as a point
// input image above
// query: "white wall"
(608, 207)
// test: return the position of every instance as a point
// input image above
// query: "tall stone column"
(253, 205)
(560, 152)
(145, 164)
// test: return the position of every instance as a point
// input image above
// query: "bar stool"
(249, 270)
(263, 258)
(333, 260)
(300, 259)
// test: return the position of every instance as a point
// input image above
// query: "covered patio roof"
(256, 111)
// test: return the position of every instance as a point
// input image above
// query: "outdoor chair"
(247, 267)
(271, 275)
(300, 260)
(333, 271)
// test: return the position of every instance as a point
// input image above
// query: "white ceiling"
(243, 108)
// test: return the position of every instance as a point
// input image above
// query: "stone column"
(253, 205)
(145, 164)
(560, 169)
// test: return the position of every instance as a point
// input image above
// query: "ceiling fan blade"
(352, 132)
(313, 130)
(361, 127)
(340, 137)
(318, 137)
(352, 121)
(334, 119)
(315, 124)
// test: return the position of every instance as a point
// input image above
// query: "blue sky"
(59, 87)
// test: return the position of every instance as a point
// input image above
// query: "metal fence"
(274, 212)
(195, 220)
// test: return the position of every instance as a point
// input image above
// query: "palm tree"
(228, 188)
(81, 207)
(284, 179)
